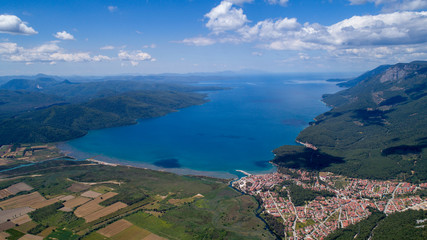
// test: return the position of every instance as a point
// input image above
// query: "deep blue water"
(237, 129)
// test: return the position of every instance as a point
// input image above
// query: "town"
(349, 200)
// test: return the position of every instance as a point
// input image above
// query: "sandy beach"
(99, 159)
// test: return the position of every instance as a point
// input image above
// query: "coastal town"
(347, 201)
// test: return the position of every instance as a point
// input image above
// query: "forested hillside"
(376, 129)
(46, 110)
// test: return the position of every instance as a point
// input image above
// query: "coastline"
(227, 174)
(99, 159)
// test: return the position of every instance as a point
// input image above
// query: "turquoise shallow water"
(237, 129)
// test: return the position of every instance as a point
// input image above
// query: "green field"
(220, 213)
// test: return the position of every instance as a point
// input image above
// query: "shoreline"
(104, 160)
(227, 174)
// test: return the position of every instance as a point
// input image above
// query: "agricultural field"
(81, 200)
(27, 200)
(125, 230)
(72, 203)
(104, 211)
(18, 154)
(115, 228)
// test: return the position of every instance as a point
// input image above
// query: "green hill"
(376, 129)
(45, 108)
(77, 92)
(65, 122)
(12, 102)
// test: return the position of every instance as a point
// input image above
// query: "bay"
(237, 129)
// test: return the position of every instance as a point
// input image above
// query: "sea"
(236, 130)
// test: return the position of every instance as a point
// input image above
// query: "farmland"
(28, 200)
(125, 230)
(72, 203)
(18, 154)
(81, 200)
(115, 228)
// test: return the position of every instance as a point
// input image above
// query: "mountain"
(65, 122)
(376, 129)
(49, 109)
(12, 102)
(77, 92)
(28, 84)
(355, 81)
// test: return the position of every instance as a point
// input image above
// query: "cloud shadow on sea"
(168, 163)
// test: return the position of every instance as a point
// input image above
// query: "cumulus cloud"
(8, 48)
(224, 17)
(135, 57)
(394, 5)
(280, 2)
(397, 35)
(64, 36)
(108, 47)
(112, 8)
(270, 29)
(386, 53)
(398, 28)
(240, 2)
(150, 46)
(383, 29)
(99, 58)
(48, 52)
(198, 41)
(14, 25)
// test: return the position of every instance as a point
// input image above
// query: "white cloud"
(224, 17)
(383, 29)
(240, 2)
(398, 28)
(8, 48)
(280, 2)
(135, 57)
(14, 25)
(108, 47)
(48, 52)
(70, 57)
(198, 41)
(269, 29)
(50, 47)
(293, 44)
(394, 5)
(304, 56)
(385, 53)
(395, 36)
(64, 36)
(112, 8)
(99, 58)
(150, 46)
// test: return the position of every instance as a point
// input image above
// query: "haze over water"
(237, 129)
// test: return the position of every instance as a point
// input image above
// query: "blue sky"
(66, 37)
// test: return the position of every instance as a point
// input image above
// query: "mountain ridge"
(376, 129)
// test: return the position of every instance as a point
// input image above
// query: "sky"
(106, 37)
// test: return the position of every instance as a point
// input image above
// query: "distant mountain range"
(376, 129)
(22, 94)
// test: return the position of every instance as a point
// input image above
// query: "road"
(390, 201)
